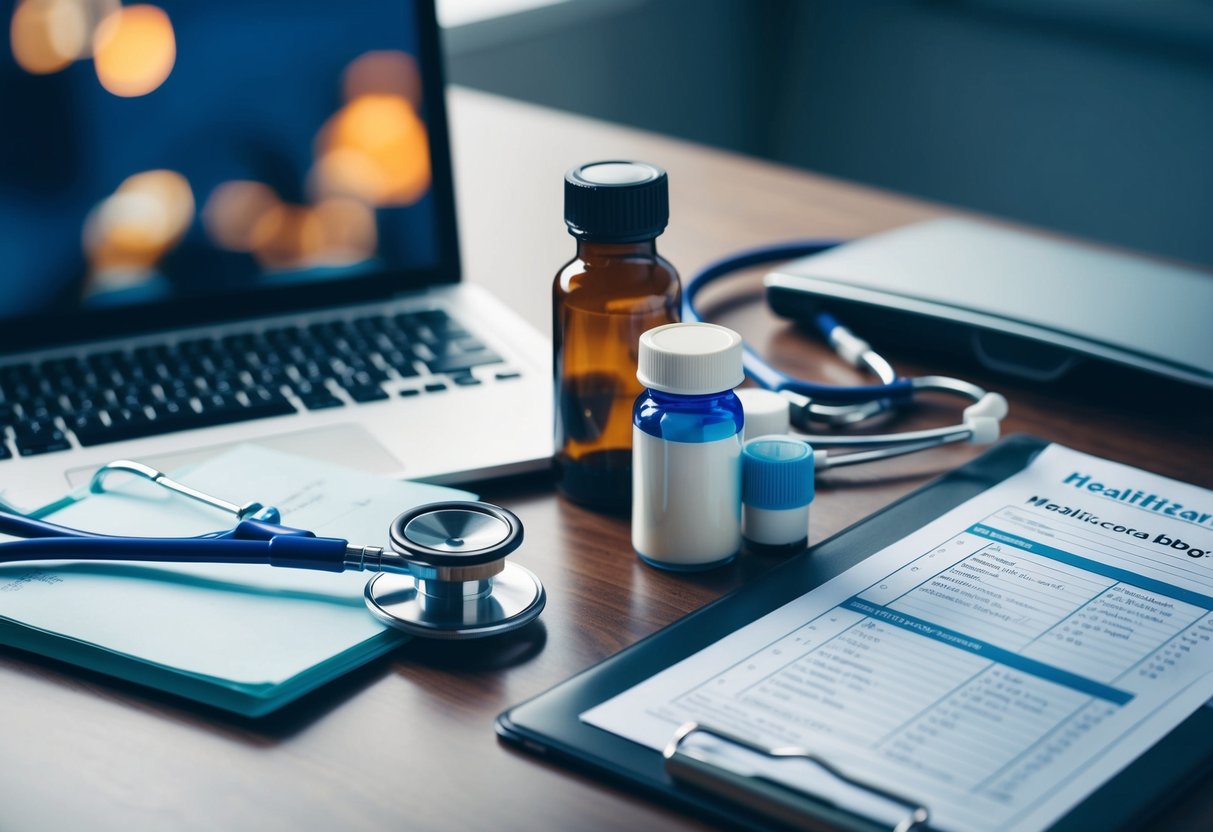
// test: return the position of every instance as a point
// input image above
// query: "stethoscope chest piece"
(460, 585)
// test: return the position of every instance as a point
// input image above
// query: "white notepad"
(243, 638)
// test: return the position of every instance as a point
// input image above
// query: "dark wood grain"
(408, 742)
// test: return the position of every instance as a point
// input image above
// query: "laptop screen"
(180, 161)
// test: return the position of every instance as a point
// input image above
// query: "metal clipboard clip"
(747, 784)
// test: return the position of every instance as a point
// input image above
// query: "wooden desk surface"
(408, 742)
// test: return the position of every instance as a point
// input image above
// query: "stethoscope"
(813, 405)
(444, 574)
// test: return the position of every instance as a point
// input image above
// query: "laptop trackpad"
(349, 445)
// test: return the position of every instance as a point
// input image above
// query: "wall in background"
(1093, 117)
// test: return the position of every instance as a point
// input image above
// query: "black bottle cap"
(616, 201)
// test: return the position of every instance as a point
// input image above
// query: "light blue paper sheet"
(259, 633)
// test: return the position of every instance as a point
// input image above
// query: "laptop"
(227, 222)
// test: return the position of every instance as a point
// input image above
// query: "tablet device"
(550, 725)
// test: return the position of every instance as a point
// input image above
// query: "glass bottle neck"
(590, 249)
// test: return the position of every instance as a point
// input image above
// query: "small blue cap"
(776, 473)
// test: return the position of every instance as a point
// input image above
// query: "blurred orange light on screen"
(134, 50)
(288, 236)
(336, 232)
(343, 171)
(247, 216)
(171, 191)
(47, 35)
(233, 212)
(134, 227)
(348, 229)
(374, 149)
(383, 72)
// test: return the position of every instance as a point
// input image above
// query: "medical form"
(997, 665)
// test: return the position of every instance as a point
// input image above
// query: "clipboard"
(549, 724)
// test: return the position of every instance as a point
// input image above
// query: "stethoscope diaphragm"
(460, 585)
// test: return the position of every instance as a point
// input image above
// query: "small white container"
(766, 412)
(686, 447)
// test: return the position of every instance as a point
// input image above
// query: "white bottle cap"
(766, 412)
(690, 359)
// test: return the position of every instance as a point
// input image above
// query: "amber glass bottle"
(614, 289)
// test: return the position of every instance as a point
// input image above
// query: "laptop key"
(408, 320)
(268, 401)
(13, 374)
(39, 437)
(224, 410)
(365, 392)
(172, 411)
(402, 363)
(361, 377)
(215, 402)
(132, 422)
(462, 362)
(320, 398)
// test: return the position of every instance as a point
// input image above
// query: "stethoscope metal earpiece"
(459, 584)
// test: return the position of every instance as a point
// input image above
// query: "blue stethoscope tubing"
(249, 541)
(897, 390)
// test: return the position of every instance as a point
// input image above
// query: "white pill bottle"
(686, 447)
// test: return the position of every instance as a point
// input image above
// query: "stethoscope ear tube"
(892, 390)
(767, 377)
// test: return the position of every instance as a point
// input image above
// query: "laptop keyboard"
(180, 385)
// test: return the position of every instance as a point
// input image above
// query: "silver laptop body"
(149, 312)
